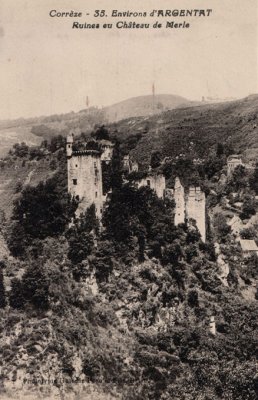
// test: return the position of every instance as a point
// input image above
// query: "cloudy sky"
(47, 67)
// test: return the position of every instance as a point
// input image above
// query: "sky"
(46, 67)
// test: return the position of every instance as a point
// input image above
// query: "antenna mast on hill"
(87, 102)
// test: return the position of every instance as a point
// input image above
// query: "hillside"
(128, 318)
(191, 131)
(175, 122)
(124, 312)
(33, 130)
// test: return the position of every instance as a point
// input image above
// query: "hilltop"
(33, 130)
(144, 106)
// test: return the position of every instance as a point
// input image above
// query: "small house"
(248, 247)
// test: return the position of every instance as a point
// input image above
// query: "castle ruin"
(155, 182)
(85, 183)
(195, 209)
(129, 165)
(179, 197)
(189, 205)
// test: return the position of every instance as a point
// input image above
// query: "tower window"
(96, 194)
(148, 182)
(76, 165)
(75, 181)
(95, 165)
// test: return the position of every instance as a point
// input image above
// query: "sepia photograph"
(128, 199)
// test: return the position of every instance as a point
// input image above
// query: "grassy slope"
(192, 130)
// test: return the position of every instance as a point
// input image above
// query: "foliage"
(221, 226)
(249, 207)
(156, 159)
(41, 211)
(253, 180)
(81, 236)
(20, 149)
(2, 290)
(238, 180)
(101, 133)
(16, 296)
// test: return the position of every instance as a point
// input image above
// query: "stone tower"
(179, 197)
(155, 182)
(85, 177)
(196, 209)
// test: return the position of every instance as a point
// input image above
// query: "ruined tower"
(179, 197)
(196, 209)
(155, 182)
(85, 177)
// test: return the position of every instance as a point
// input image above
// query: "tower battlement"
(93, 153)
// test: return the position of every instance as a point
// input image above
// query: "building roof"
(105, 142)
(248, 245)
(235, 156)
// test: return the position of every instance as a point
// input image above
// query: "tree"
(17, 239)
(16, 296)
(41, 211)
(248, 208)
(2, 290)
(81, 235)
(220, 150)
(116, 167)
(20, 149)
(253, 181)
(239, 179)
(35, 284)
(80, 246)
(101, 133)
(56, 143)
(155, 159)
(221, 226)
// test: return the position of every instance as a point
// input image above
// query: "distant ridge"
(145, 106)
